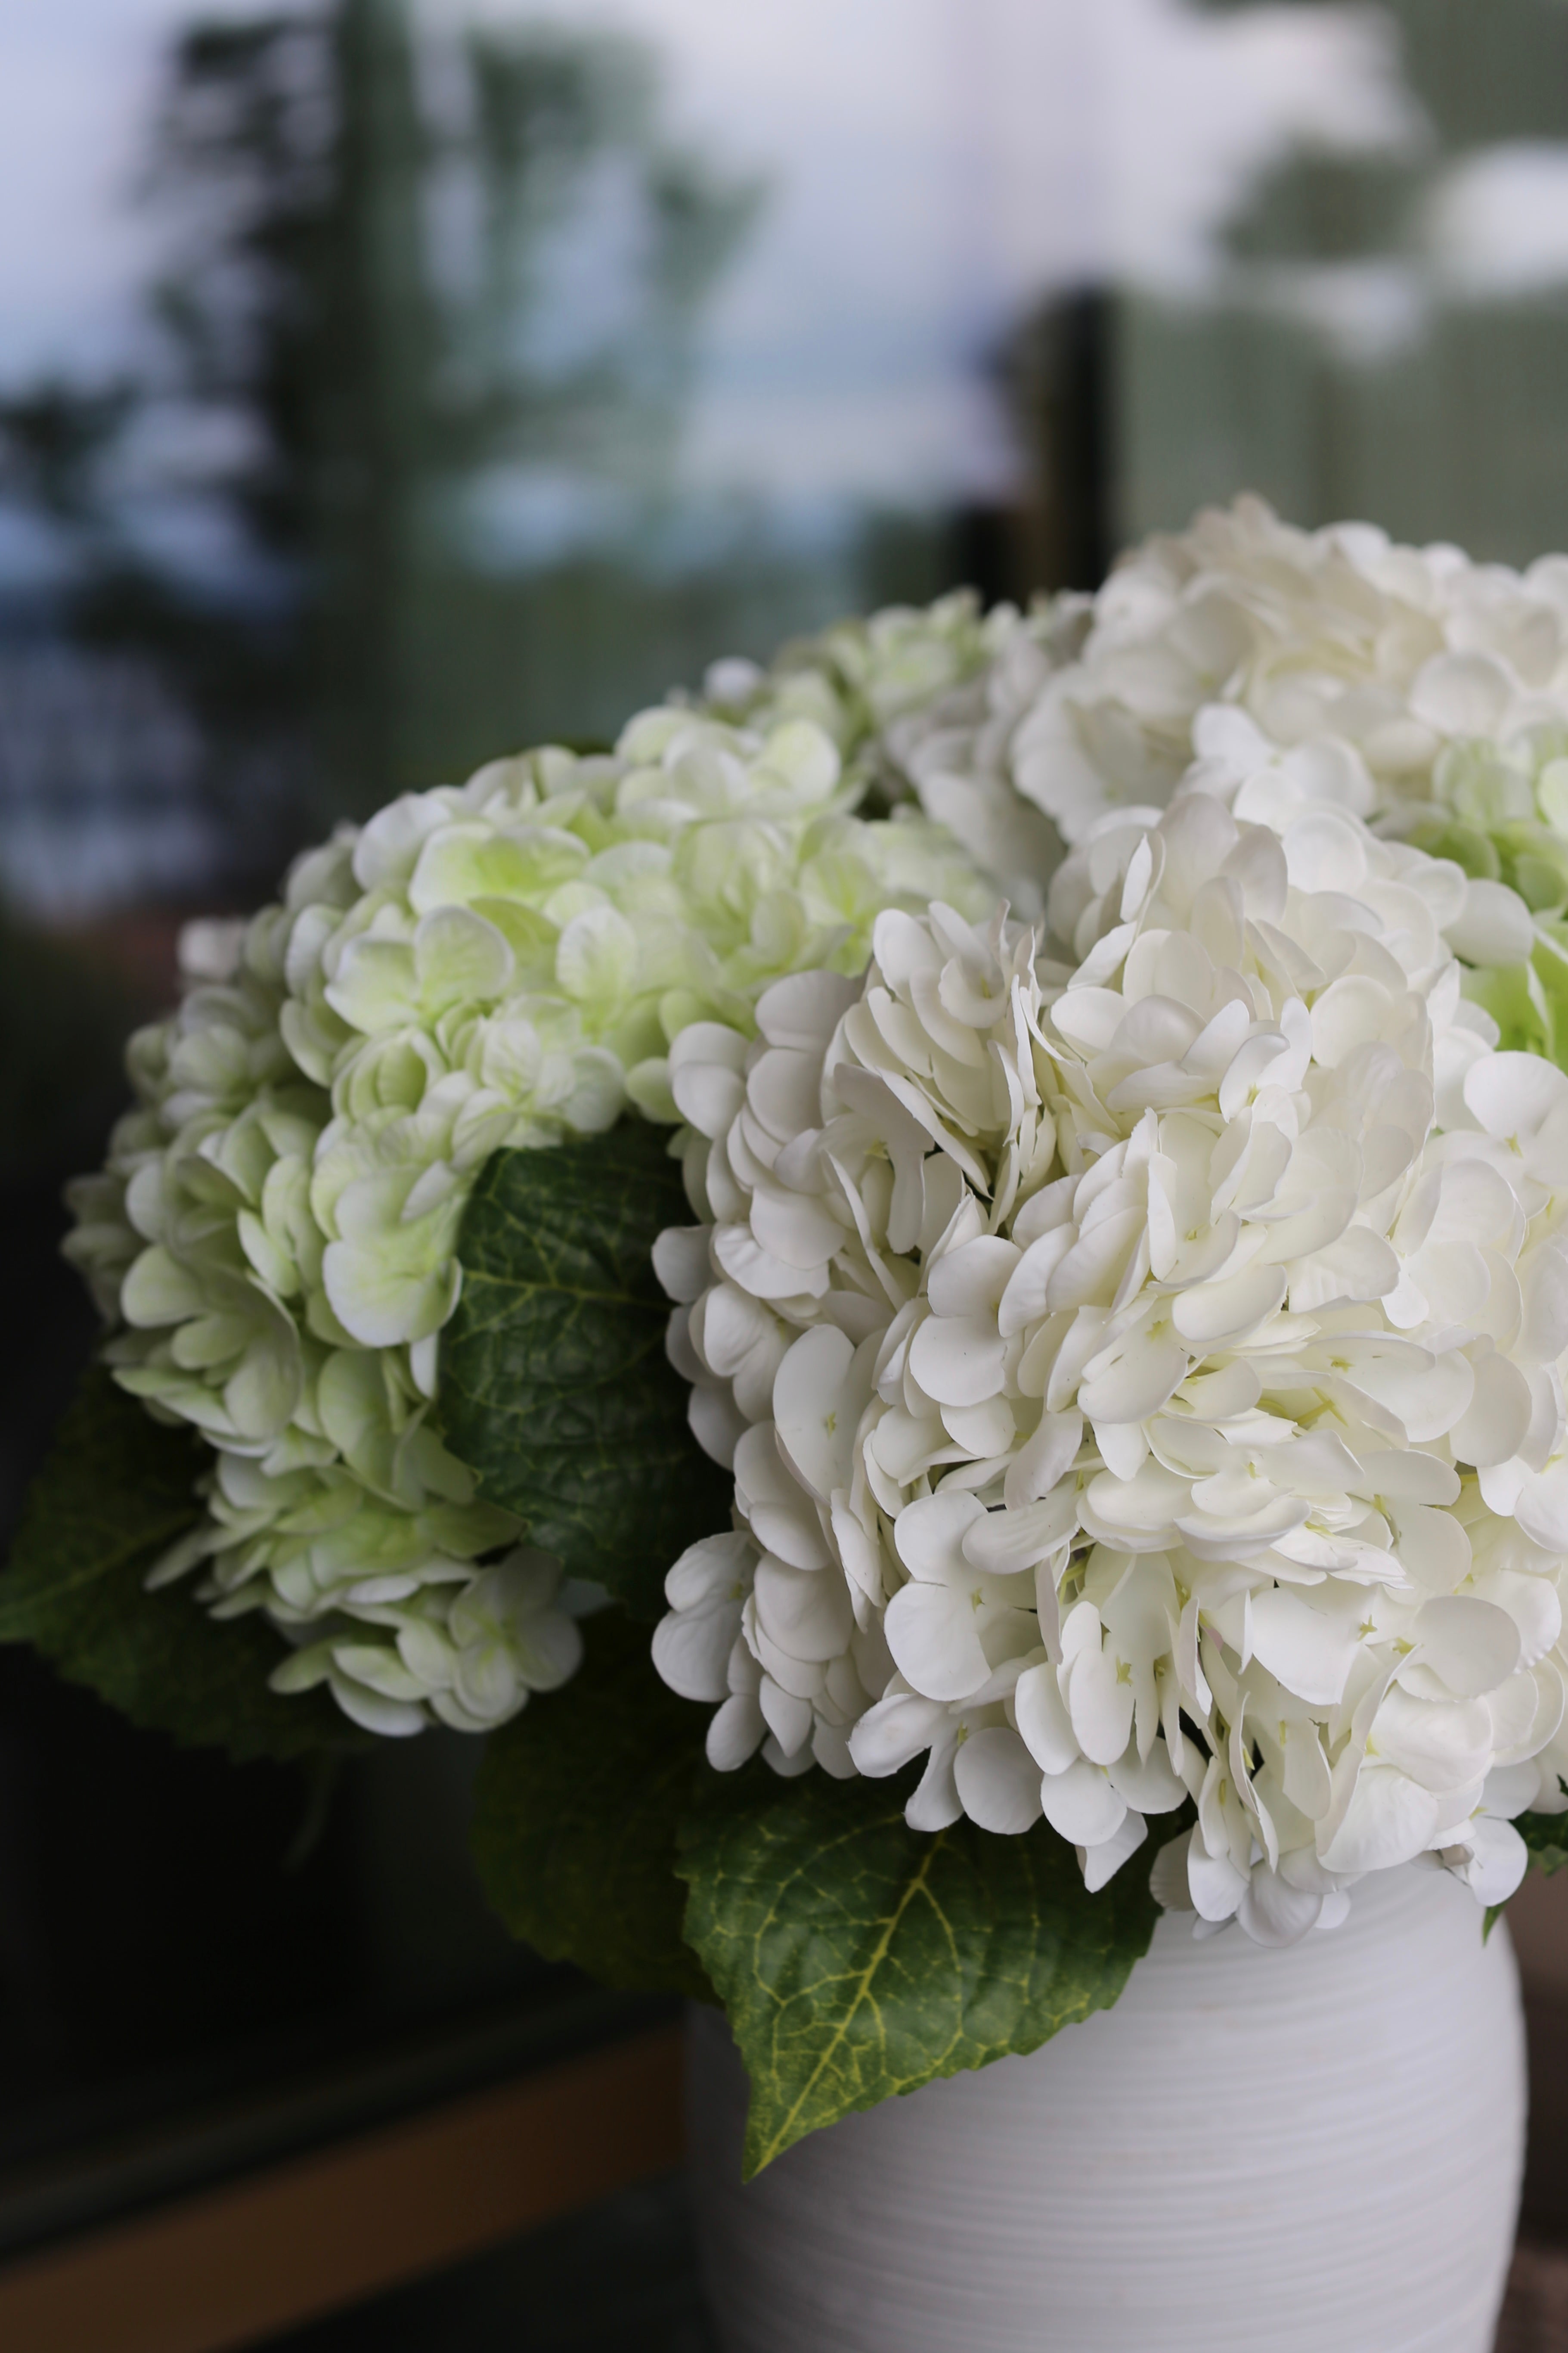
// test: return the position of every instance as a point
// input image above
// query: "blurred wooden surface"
(264, 2253)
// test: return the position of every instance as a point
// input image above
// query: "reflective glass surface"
(386, 383)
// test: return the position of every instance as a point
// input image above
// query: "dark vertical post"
(1059, 375)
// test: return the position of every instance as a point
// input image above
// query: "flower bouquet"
(935, 1295)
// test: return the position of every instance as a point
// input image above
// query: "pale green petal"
(647, 1085)
(486, 1681)
(374, 1712)
(381, 1305)
(596, 962)
(210, 1340)
(377, 985)
(272, 1262)
(159, 1290)
(304, 1670)
(598, 1093)
(262, 1394)
(464, 862)
(460, 959)
(428, 1656)
(355, 1411)
(803, 759)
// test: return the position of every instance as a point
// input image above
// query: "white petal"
(971, 1279)
(929, 1534)
(783, 1088)
(692, 1648)
(804, 1612)
(1043, 1719)
(788, 1717)
(1101, 1862)
(1081, 1806)
(1511, 1095)
(1494, 926)
(1044, 1458)
(958, 1360)
(1499, 1859)
(1168, 1878)
(931, 1632)
(935, 1801)
(814, 1411)
(1472, 1645)
(716, 1423)
(1462, 693)
(1493, 1425)
(1099, 1703)
(897, 1728)
(1214, 1882)
(1213, 1313)
(797, 1229)
(707, 1095)
(709, 1570)
(1390, 1818)
(803, 1010)
(735, 1733)
(1002, 1542)
(998, 1780)
(680, 1261)
(1310, 1651)
(1444, 1745)
(1272, 1912)
(1149, 1784)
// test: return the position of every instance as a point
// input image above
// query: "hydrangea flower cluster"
(1398, 656)
(499, 963)
(1143, 1383)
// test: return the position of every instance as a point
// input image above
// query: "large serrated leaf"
(555, 1384)
(115, 1491)
(575, 1818)
(857, 1958)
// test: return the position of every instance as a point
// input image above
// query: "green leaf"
(575, 1817)
(555, 1384)
(114, 1491)
(1546, 1836)
(857, 1958)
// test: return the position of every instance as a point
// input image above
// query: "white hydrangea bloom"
(1143, 1389)
(1395, 652)
(1483, 920)
(499, 963)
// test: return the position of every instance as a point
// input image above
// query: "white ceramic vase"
(1309, 2150)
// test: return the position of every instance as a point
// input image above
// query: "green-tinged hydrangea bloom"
(913, 697)
(501, 963)
(1500, 811)
(856, 679)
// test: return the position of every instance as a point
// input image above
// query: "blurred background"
(388, 383)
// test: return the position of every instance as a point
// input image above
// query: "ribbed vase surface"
(1309, 2151)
